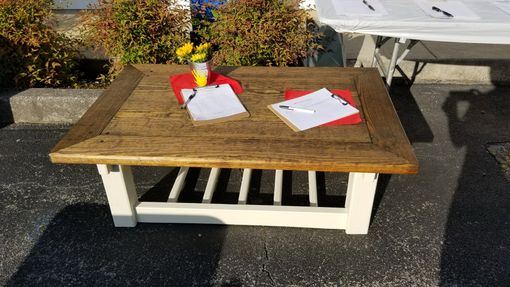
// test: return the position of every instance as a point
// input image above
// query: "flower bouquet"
(199, 59)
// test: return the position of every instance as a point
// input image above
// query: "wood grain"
(102, 111)
(381, 117)
(235, 153)
(157, 113)
(148, 128)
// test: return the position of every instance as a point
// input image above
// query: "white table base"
(127, 210)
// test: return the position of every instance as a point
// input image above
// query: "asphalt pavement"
(449, 225)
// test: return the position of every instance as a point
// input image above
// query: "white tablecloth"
(406, 20)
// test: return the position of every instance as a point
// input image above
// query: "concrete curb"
(46, 105)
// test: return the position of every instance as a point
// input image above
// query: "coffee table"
(137, 122)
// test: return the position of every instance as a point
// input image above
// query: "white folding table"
(407, 24)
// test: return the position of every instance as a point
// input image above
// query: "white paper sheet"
(326, 108)
(458, 9)
(213, 103)
(504, 5)
(358, 8)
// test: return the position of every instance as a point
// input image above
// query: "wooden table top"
(137, 121)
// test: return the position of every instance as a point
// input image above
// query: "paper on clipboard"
(326, 109)
(214, 104)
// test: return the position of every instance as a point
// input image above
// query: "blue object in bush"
(204, 8)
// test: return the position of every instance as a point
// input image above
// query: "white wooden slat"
(278, 184)
(237, 214)
(211, 185)
(245, 186)
(178, 184)
(312, 188)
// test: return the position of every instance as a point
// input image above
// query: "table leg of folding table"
(380, 40)
(393, 60)
(395, 57)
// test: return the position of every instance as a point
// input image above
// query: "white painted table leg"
(121, 192)
(359, 201)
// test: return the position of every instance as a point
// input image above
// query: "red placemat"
(186, 81)
(345, 94)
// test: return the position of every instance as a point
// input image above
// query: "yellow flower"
(184, 51)
(203, 48)
(199, 57)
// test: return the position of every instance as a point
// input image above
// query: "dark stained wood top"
(137, 121)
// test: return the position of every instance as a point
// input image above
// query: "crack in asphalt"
(266, 254)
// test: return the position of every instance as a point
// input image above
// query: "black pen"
(369, 6)
(442, 11)
(183, 106)
(195, 90)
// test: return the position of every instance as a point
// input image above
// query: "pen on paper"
(368, 5)
(195, 90)
(183, 106)
(442, 11)
(344, 102)
(296, 109)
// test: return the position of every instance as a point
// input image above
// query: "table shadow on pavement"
(476, 249)
(412, 119)
(415, 126)
(80, 246)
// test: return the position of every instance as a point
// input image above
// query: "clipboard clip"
(342, 100)
(206, 87)
(195, 90)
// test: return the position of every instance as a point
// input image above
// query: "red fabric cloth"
(345, 94)
(186, 81)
